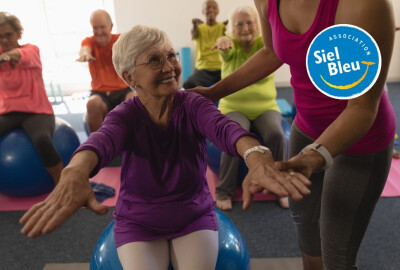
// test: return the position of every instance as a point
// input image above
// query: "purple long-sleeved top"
(164, 191)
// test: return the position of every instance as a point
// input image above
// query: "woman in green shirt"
(253, 107)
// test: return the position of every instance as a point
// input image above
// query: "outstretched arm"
(85, 55)
(195, 29)
(12, 56)
(223, 43)
(71, 193)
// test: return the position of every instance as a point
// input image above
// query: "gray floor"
(266, 228)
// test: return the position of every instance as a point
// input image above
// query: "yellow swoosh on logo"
(344, 87)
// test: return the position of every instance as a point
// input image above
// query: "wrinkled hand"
(70, 194)
(267, 178)
(223, 44)
(197, 21)
(86, 58)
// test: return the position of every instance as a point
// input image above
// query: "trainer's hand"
(70, 194)
(265, 176)
(304, 163)
(205, 92)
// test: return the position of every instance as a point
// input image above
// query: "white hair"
(130, 45)
(249, 10)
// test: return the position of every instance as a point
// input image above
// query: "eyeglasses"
(7, 35)
(241, 25)
(157, 61)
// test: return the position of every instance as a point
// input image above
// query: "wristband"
(258, 148)
(323, 152)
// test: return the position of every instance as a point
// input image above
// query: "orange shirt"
(22, 88)
(104, 76)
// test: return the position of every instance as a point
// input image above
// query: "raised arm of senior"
(195, 30)
(85, 55)
(223, 44)
(72, 192)
(12, 56)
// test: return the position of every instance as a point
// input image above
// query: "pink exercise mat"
(110, 176)
(392, 187)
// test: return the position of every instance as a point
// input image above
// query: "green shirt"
(208, 35)
(254, 99)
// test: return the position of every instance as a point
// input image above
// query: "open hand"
(69, 195)
(86, 58)
(223, 44)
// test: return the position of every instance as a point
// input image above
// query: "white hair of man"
(130, 45)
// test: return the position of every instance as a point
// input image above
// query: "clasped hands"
(283, 178)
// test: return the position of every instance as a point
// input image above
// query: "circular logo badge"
(343, 61)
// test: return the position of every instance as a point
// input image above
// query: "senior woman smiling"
(164, 213)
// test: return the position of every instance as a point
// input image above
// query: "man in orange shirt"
(108, 89)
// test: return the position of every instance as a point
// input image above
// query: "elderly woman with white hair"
(253, 107)
(165, 212)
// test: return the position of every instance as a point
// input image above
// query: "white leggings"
(195, 251)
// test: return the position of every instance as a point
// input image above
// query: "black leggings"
(39, 128)
(332, 220)
(202, 77)
(112, 99)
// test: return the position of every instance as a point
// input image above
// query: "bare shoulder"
(364, 12)
(262, 6)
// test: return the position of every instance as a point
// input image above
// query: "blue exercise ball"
(214, 154)
(22, 172)
(232, 253)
